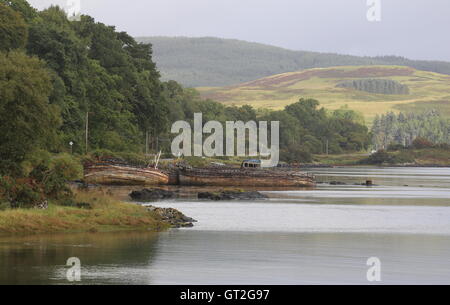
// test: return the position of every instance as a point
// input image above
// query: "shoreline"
(99, 213)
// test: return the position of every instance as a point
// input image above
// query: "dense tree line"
(210, 62)
(379, 86)
(307, 129)
(403, 129)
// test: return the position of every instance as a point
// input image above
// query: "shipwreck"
(250, 174)
(114, 174)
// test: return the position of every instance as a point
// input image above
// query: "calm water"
(321, 236)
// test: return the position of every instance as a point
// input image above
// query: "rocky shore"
(174, 217)
(154, 194)
(232, 195)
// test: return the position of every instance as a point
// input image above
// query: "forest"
(403, 128)
(379, 86)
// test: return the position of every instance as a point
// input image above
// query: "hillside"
(210, 62)
(427, 90)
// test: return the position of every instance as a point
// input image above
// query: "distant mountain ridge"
(214, 62)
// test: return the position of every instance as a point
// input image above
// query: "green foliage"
(306, 128)
(212, 62)
(22, 7)
(27, 118)
(404, 129)
(21, 193)
(54, 173)
(295, 154)
(197, 162)
(403, 157)
(422, 143)
(13, 29)
(379, 158)
(379, 86)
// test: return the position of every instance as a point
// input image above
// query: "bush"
(197, 161)
(21, 193)
(53, 175)
(403, 157)
(378, 158)
(295, 154)
(444, 146)
(395, 147)
(422, 143)
(124, 157)
(4, 205)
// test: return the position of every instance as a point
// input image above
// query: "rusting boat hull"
(260, 178)
(122, 175)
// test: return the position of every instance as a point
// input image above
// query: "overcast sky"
(418, 29)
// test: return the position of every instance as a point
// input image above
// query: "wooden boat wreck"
(244, 177)
(111, 174)
(250, 174)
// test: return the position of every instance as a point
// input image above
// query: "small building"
(251, 164)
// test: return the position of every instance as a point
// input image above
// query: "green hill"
(420, 90)
(201, 62)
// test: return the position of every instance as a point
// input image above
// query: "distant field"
(428, 90)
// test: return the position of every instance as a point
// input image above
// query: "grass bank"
(341, 159)
(101, 213)
(405, 157)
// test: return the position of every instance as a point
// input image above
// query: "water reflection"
(42, 259)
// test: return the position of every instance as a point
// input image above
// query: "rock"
(337, 183)
(152, 195)
(174, 217)
(231, 195)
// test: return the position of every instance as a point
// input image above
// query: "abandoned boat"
(113, 174)
(250, 174)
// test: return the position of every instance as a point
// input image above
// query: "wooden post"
(146, 142)
(87, 130)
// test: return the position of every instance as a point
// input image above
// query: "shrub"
(21, 193)
(395, 147)
(403, 157)
(197, 161)
(53, 175)
(422, 143)
(124, 157)
(444, 146)
(296, 154)
(379, 157)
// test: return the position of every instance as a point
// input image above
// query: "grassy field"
(427, 90)
(107, 214)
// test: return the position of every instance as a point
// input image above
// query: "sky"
(417, 29)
